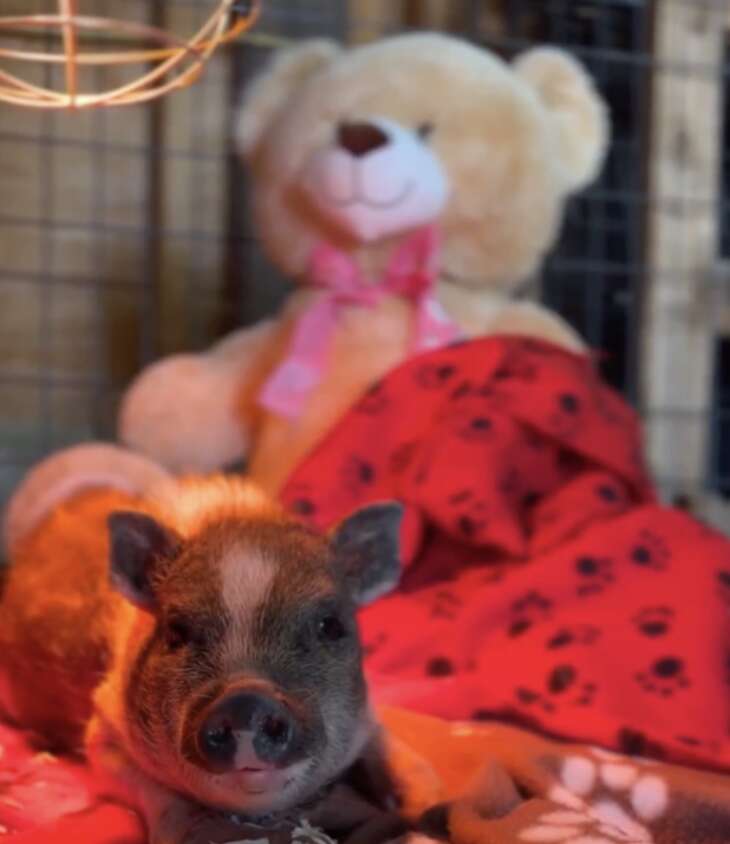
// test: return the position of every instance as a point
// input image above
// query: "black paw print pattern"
(374, 400)
(478, 428)
(635, 743)
(654, 621)
(563, 686)
(594, 574)
(471, 517)
(650, 552)
(303, 507)
(566, 416)
(526, 611)
(356, 473)
(445, 605)
(610, 493)
(439, 666)
(435, 375)
(665, 677)
(584, 634)
(301, 501)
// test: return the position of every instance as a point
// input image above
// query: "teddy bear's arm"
(195, 412)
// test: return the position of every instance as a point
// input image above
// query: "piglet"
(199, 647)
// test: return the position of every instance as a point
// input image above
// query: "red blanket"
(44, 799)
(544, 584)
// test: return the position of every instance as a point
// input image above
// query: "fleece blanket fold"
(544, 584)
(460, 782)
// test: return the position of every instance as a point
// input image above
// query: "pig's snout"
(246, 729)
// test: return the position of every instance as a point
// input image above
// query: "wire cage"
(128, 234)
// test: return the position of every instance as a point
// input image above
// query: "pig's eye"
(424, 131)
(177, 634)
(331, 629)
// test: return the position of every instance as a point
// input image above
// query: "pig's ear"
(137, 545)
(367, 548)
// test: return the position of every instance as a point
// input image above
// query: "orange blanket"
(480, 783)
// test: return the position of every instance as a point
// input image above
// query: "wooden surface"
(684, 184)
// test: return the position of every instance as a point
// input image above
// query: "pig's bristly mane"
(188, 505)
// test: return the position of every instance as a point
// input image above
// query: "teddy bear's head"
(360, 146)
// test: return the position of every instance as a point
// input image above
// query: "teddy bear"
(409, 187)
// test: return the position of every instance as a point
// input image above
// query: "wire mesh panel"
(125, 233)
(73, 250)
(123, 236)
(594, 276)
(719, 463)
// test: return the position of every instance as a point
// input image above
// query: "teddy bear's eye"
(425, 130)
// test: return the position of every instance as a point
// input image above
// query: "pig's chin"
(256, 792)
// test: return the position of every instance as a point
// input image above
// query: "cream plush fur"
(512, 141)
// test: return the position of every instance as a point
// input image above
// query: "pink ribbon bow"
(411, 273)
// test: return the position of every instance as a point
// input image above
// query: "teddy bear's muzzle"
(376, 178)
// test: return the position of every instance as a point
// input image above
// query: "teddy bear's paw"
(182, 412)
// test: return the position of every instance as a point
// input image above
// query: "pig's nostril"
(275, 729)
(273, 733)
(217, 742)
(218, 737)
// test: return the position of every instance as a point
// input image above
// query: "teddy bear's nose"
(360, 138)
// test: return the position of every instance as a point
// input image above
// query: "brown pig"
(197, 645)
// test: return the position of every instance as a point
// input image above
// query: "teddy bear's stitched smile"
(359, 194)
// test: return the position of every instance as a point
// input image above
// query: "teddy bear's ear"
(580, 114)
(265, 96)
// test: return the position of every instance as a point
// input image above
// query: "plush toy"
(409, 187)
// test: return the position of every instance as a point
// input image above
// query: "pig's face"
(245, 688)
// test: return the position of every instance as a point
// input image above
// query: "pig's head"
(242, 680)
